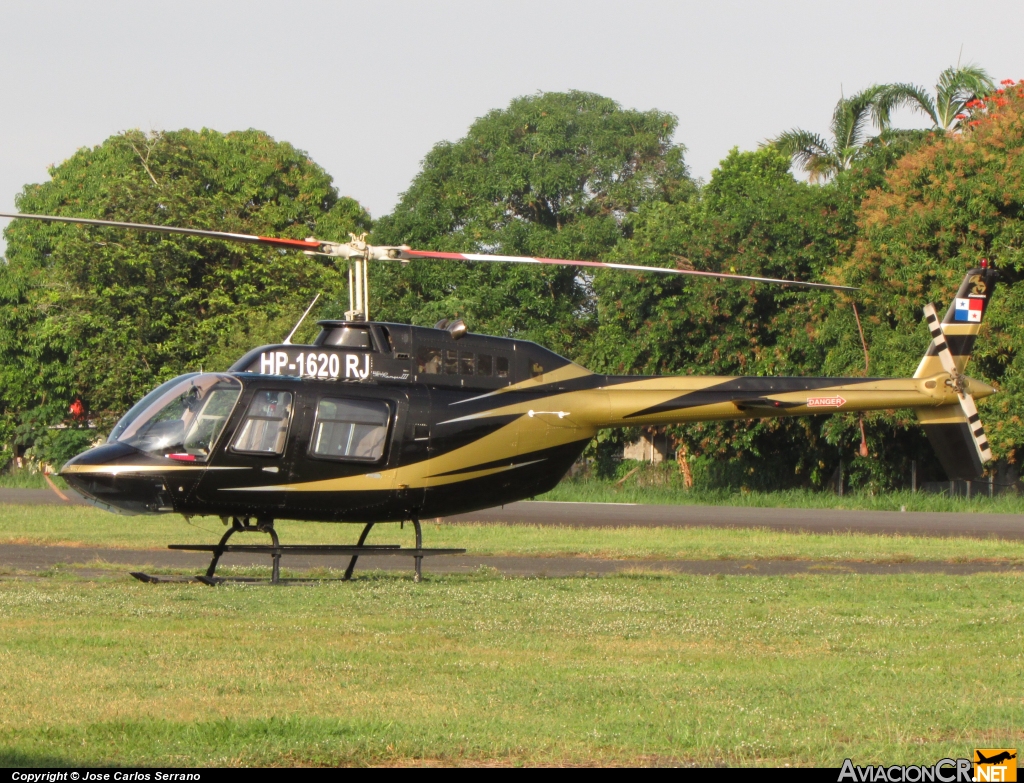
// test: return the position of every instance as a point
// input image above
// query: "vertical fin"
(962, 321)
(955, 431)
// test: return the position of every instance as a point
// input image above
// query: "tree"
(850, 120)
(753, 218)
(106, 314)
(554, 174)
(944, 207)
(957, 86)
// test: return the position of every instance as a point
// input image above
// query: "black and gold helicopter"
(383, 422)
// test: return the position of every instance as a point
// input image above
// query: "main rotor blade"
(290, 244)
(358, 249)
(409, 254)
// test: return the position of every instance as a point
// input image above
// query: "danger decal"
(825, 402)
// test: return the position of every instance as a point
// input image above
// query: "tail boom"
(653, 401)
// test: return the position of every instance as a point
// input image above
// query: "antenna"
(291, 334)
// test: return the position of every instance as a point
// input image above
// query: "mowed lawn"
(90, 527)
(636, 669)
(640, 668)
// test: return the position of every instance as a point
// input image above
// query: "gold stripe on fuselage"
(564, 417)
(116, 470)
(561, 375)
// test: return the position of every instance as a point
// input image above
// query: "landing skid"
(276, 550)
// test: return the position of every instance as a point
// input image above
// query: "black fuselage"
(423, 376)
(382, 422)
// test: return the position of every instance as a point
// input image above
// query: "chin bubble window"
(265, 428)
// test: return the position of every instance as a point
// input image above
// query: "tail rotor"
(960, 384)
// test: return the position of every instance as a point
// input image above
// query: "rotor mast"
(358, 290)
(358, 254)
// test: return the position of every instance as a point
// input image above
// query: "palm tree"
(850, 120)
(957, 86)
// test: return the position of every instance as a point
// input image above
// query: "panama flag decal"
(969, 309)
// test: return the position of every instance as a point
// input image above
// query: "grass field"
(600, 491)
(638, 668)
(642, 669)
(86, 526)
(23, 479)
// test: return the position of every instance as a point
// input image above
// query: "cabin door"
(412, 446)
(252, 454)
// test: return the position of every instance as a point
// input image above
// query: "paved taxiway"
(916, 523)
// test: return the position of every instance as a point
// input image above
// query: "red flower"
(1007, 81)
(77, 409)
(961, 116)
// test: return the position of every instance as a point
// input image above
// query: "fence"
(989, 486)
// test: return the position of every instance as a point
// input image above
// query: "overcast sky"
(367, 88)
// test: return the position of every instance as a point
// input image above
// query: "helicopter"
(382, 422)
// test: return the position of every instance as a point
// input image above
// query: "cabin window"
(350, 429)
(349, 337)
(451, 362)
(443, 361)
(428, 360)
(183, 417)
(265, 429)
(536, 369)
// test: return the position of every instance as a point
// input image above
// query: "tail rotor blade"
(966, 400)
(939, 340)
(977, 430)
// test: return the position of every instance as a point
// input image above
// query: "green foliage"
(107, 314)
(957, 86)
(55, 446)
(51, 445)
(944, 207)
(822, 159)
(752, 218)
(556, 174)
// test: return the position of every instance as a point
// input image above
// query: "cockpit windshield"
(182, 418)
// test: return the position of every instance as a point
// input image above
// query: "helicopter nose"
(118, 478)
